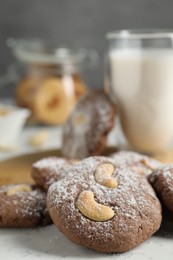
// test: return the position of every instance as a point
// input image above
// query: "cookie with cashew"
(23, 205)
(86, 131)
(49, 170)
(139, 163)
(162, 182)
(103, 206)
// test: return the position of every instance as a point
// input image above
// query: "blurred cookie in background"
(139, 163)
(86, 130)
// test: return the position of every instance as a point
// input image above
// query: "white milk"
(142, 82)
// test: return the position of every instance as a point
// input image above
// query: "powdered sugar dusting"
(142, 163)
(131, 201)
(164, 172)
(53, 163)
(167, 171)
(48, 170)
(22, 205)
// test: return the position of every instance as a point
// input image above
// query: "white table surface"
(48, 243)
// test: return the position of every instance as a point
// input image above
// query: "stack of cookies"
(106, 203)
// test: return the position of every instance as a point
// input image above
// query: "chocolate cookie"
(139, 163)
(85, 133)
(104, 207)
(162, 182)
(23, 205)
(49, 170)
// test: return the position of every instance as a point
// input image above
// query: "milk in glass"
(142, 81)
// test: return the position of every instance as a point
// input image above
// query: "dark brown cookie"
(23, 205)
(162, 182)
(49, 170)
(85, 133)
(139, 163)
(104, 207)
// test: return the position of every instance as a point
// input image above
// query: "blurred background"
(78, 23)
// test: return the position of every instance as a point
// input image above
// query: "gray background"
(82, 23)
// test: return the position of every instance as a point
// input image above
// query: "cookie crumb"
(38, 139)
(7, 148)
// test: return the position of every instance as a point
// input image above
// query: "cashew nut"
(147, 163)
(103, 175)
(139, 169)
(18, 188)
(74, 161)
(87, 205)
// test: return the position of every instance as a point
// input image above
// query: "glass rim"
(140, 34)
(42, 51)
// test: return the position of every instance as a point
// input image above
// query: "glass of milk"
(139, 78)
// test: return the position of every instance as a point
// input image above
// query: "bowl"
(12, 121)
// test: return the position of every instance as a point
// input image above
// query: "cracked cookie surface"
(77, 204)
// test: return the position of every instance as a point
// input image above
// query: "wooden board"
(17, 169)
